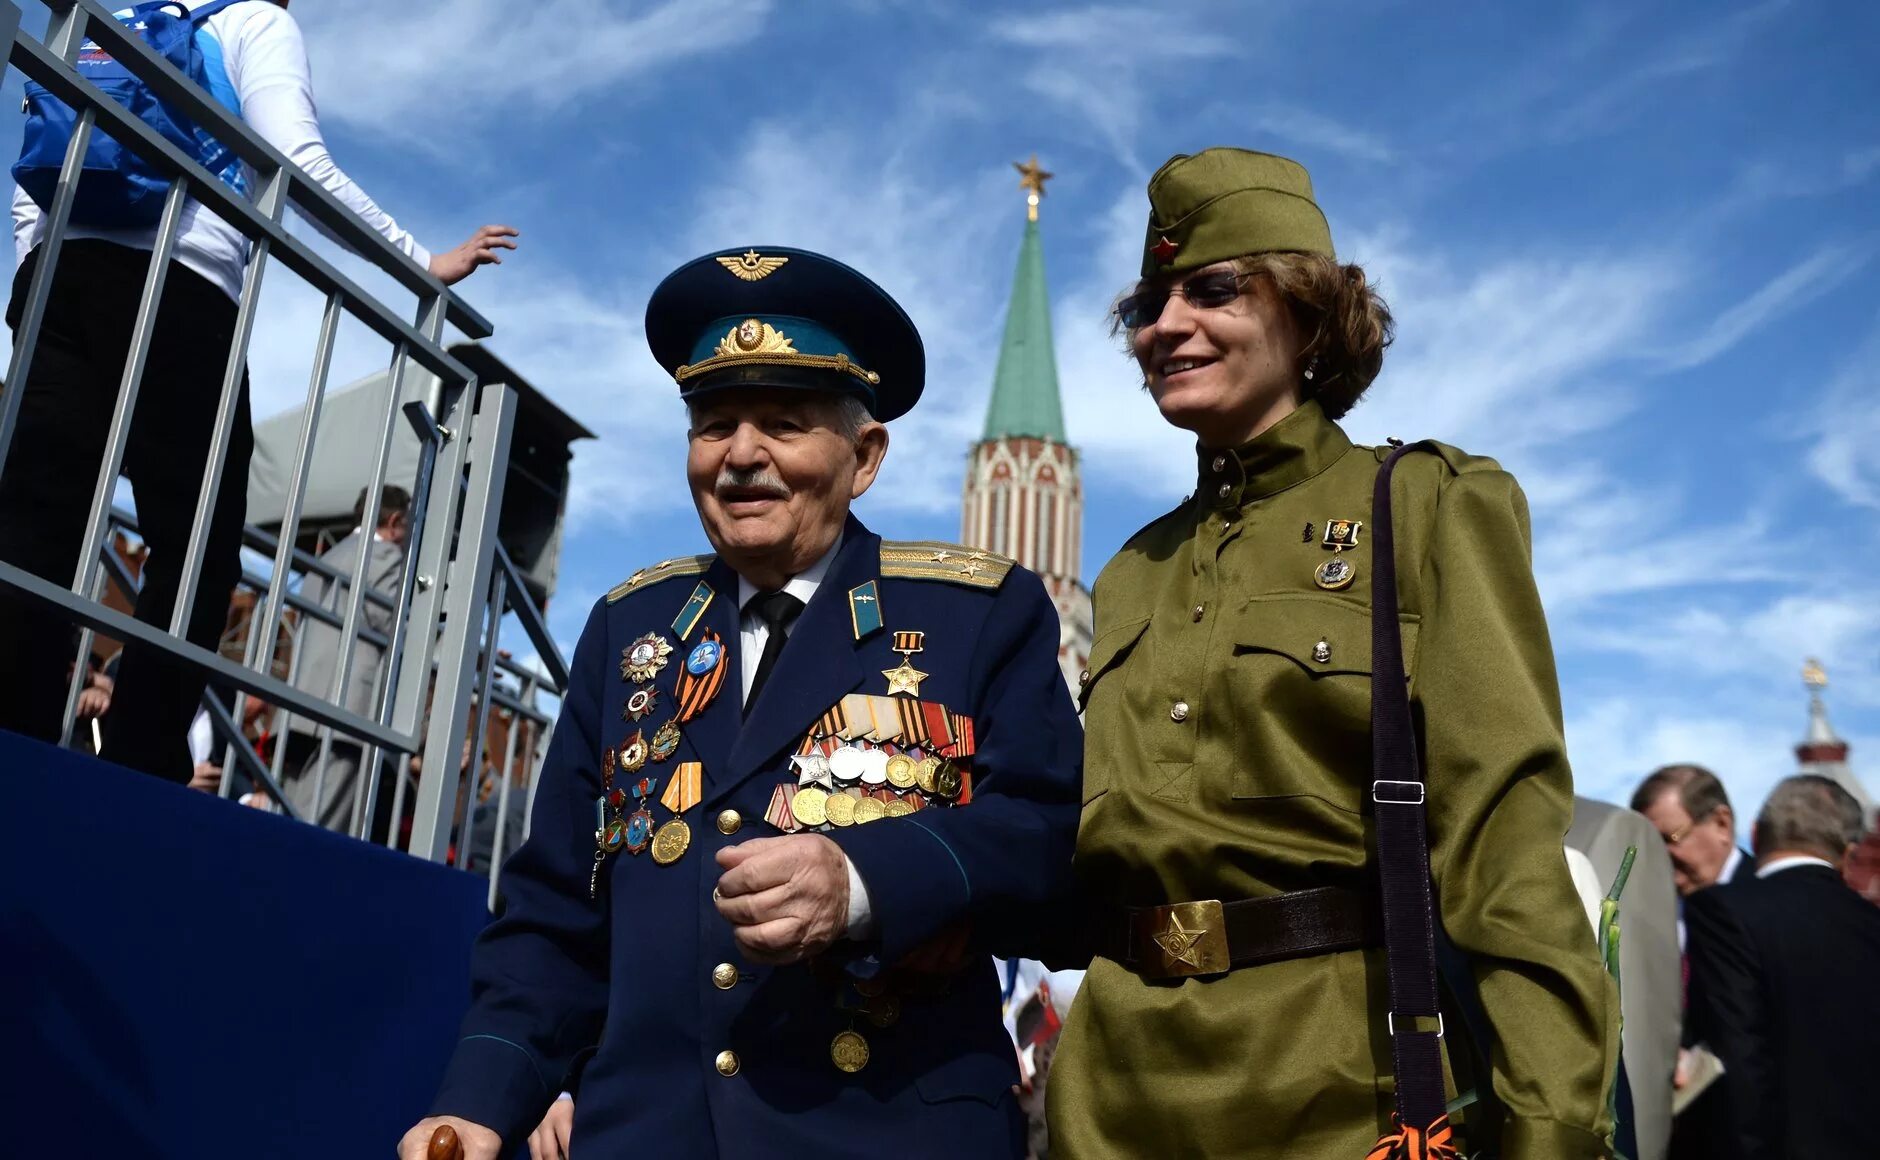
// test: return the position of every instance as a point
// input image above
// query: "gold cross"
(1032, 178)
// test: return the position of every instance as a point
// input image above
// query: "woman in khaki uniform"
(1229, 757)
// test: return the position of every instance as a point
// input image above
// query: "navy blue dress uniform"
(916, 715)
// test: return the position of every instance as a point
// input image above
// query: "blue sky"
(1631, 247)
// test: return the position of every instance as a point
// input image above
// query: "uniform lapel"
(818, 666)
(712, 733)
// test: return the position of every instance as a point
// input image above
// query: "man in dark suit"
(788, 780)
(1692, 813)
(329, 800)
(1785, 987)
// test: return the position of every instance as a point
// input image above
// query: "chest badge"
(904, 678)
(1337, 573)
(641, 661)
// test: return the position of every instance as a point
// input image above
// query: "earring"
(1312, 369)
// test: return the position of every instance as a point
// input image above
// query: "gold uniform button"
(724, 976)
(729, 821)
(727, 1063)
(1179, 711)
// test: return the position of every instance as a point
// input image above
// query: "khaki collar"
(1291, 451)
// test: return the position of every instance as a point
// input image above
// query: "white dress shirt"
(1778, 865)
(753, 632)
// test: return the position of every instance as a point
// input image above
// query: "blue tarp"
(184, 977)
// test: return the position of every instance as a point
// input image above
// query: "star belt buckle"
(1187, 938)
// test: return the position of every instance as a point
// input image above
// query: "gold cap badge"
(752, 266)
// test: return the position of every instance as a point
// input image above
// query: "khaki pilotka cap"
(1223, 203)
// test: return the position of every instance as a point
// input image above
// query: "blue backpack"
(116, 187)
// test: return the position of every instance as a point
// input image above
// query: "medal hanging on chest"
(610, 830)
(1337, 573)
(640, 822)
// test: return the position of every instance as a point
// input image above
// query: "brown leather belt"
(1211, 937)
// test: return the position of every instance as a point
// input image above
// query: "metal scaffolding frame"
(441, 657)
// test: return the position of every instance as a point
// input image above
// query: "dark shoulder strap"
(1403, 853)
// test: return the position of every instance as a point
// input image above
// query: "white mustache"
(756, 479)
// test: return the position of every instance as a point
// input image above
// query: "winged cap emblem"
(752, 266)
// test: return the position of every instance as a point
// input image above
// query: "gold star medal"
(904, 677)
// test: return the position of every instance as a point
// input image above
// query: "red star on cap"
(1164, 250)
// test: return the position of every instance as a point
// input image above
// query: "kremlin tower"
(1023, 497)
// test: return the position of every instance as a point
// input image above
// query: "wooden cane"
(444, 1144)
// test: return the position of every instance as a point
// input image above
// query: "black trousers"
(66, 406)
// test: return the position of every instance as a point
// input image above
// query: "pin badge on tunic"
(642, 702)
(641, 661)
(633, 753)
(666, 741)
(704, 675)
(640, 821)
(905, 678)
(1337, 573)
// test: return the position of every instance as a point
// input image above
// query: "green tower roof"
(1025, 389)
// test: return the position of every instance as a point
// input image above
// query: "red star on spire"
(1164, 250)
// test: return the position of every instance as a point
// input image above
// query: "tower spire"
(1032, 178)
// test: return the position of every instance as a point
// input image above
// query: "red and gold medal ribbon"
(939, 729)
(695, 693)
(964, 745)
(779, 814)
(1436, 1142)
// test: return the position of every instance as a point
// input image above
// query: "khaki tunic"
(1225, 760)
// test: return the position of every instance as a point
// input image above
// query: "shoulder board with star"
(936, 560)
(664, 570)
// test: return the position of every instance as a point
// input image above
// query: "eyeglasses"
(1684, 831)
(1203, 292)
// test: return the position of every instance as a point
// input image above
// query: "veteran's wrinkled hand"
(786, 898)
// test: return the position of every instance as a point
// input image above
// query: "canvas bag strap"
(1403, 854)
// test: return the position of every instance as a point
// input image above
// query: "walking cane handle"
(444, 1144)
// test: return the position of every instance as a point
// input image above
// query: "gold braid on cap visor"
(755, 343)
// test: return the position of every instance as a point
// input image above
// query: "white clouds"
(1318, 131)
(1795, 287)
(1846, 427)
(401, 70)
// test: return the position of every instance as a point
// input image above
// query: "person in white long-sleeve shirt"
(257, 67)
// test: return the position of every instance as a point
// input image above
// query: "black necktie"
(779, 610)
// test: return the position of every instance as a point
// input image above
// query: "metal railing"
(438, 683)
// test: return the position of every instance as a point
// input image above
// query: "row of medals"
(856, 783)
(860, 782)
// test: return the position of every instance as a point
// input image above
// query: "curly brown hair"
(1346, 323)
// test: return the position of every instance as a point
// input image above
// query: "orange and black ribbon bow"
(1436, 1142)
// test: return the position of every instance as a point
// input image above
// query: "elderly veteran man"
(785, 776)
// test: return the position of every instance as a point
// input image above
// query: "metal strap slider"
(1390, 1022)
(1405, 800)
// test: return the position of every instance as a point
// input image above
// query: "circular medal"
(640, 703)
(849, 1052)
(614, 836)
(923, 777)
(641, 661)
(1335, 574)
(841, 809)
(671, 841)
(639, 830)
(883, 1010)
(902, 771)
(898, 808)
(847, 763)
(869, 810)
(875, 767)
(704, 657)
(946, 780)
(665, 741)
(810, 806)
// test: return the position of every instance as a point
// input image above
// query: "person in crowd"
(258, 64)
(334, 801)
(1785, 986)
(783, 775)
(1225, 842)
(1651, 990)
(1692, 813)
